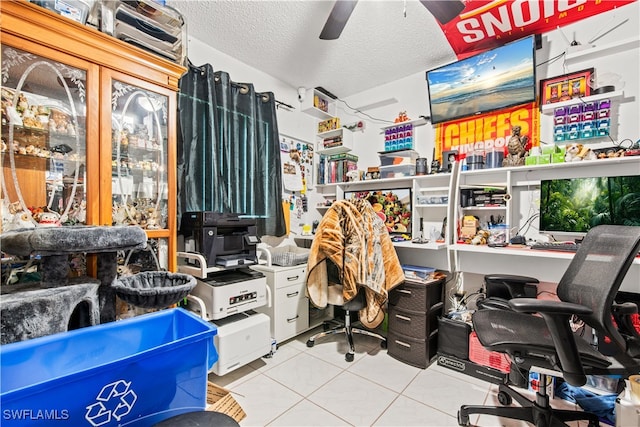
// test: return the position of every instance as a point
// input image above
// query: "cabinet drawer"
(406, 322)
(292, 313)
(292, 276)
(416, 296)
(412, 351)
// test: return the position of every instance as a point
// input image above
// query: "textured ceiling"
(378, 45)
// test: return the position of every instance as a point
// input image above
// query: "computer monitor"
(573, 206)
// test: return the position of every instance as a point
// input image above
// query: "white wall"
(412, 96)
(411, 92)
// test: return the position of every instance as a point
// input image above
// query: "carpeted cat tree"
(57, 303)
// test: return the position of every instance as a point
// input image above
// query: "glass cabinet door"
(44, 140)
(138, 158)
(140, 184)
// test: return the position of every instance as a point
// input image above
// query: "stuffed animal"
(353, 175)
(576, 152)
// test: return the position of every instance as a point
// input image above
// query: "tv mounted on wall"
(496, 79)
(573, 206)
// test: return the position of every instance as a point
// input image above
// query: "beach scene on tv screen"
(492, 80)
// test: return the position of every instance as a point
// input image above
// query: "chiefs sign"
(484, 24)
(487, 132)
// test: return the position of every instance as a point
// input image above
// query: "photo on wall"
(392, 206)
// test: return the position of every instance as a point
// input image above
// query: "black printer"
(224, 239)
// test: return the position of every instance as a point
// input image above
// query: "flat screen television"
(573, 206)
(493, 80)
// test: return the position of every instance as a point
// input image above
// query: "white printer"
(226, 293)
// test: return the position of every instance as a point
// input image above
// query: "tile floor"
(302, 386)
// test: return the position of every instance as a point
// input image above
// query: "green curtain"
(228, 153)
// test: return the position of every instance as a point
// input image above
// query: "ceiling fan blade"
(443, 10)
(337, 19)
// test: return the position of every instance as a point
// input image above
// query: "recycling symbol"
(115, 400)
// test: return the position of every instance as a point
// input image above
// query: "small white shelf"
(323, 186)
(330, 133)
(427, 246)
(414, 122)
(422, 189)
(482, 208)
(308, 107)
(347, 142)
(335, 150)
(432, 205)
(548, 108)
(603, 50)
(317, 113)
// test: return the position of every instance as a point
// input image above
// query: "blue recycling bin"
(133, 372)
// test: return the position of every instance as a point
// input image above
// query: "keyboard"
(557, 246)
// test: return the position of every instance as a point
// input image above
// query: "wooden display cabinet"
(88, 127)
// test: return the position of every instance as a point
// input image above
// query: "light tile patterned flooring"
(301, 386)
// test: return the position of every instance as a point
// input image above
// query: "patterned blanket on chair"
(354, 238)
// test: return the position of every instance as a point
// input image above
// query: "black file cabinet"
(414, 309)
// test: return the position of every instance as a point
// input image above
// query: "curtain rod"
(282, 104)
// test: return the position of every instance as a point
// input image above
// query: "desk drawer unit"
(289, 311)
(414, 309)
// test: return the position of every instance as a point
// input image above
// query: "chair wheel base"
(310, 343)
(349, 357)
(463, 420)
(504, 398)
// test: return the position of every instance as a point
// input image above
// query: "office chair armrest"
(556, 315)
(624, 308)
(533, 305)
(510, 278)
(510, 286)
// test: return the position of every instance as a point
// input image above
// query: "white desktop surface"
(547, 266)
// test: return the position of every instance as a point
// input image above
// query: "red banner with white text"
(484, 24)
(488, 132)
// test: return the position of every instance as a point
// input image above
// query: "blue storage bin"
(135, 372)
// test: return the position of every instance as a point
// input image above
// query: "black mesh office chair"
(587, 290)
(354, 305)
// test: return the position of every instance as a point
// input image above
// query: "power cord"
(363, 113)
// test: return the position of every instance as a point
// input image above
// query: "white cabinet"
(318, 105)
(336, 141)
(289, 309)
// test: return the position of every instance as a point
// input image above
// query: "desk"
(547, 266)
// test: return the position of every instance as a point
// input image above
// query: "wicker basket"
(154, 289)
(289, 255)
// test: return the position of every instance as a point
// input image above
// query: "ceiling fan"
(443, 10)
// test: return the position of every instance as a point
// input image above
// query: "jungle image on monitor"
(576, 205)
